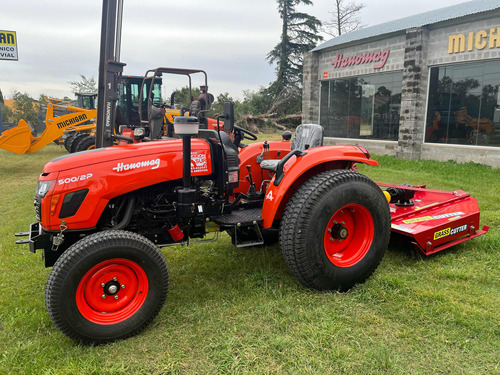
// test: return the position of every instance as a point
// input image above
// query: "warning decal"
(436, 217)
(198, 162)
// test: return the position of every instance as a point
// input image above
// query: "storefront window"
(362, 107)
(464, 104)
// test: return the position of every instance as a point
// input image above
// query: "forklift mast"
(110, 71)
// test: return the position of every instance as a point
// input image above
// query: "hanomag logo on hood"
(153, 163)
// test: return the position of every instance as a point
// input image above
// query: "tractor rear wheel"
(87, 143)
(107, 286)
(335, 230)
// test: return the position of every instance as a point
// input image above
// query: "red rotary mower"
(103, 214)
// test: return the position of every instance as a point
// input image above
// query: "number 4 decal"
(270, 196)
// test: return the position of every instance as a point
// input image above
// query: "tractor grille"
(38, 209)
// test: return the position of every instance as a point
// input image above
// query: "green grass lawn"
(235, 310)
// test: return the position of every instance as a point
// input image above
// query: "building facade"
(424, 87)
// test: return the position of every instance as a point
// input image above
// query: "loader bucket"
(17, 139)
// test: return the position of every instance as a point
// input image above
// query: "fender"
(298, 169)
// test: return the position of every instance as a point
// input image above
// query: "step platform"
(243, 226)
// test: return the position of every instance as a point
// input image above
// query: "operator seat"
(306, 136)
(156, 122)
(196, 110)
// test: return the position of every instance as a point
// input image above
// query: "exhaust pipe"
(186, 127)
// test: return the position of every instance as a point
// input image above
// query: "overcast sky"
(59, 39)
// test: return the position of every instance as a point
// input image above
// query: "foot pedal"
(247, 235)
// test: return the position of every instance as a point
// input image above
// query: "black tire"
(87, 143)
(68, 140)
(81, 287)
(75, 140)
(335, 230)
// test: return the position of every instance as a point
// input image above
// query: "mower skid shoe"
(429, 249)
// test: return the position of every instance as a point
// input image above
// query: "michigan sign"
(8, 45)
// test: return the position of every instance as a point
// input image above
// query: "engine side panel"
(118, 174)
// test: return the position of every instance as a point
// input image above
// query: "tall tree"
(84, 85)
(299, 34)
(6, 112)
(24, 107)
(344, 18)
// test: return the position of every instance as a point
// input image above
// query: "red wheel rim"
(349, 235)
(112, 291)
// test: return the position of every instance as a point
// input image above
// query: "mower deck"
(436, 220)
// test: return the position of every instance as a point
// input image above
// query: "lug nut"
(123, 286)
(103, 285)
(115, 278)
(116, 296)
(103, 296)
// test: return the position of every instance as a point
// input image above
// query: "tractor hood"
(103, 174)
(119, 153)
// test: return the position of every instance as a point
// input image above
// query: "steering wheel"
(247, 134)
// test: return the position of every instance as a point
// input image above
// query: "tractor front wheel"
(335, 230)
(107, 286)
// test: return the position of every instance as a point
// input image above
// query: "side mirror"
(228, 116)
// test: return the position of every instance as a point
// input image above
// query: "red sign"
(380, 56)
(325, 74)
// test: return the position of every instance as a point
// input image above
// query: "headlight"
(139, 132)
(43, 187)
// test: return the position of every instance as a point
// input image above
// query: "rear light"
(139, 133)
